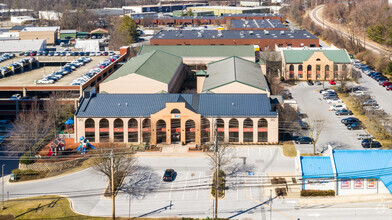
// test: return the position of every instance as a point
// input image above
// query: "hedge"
(24, 172)
(307, 192)
(26, 159)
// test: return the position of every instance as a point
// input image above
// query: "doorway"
(175, 131)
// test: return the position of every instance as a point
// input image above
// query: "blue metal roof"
(316, 167)
(364, 164)
(208, 105)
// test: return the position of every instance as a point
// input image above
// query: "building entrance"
(175, 131)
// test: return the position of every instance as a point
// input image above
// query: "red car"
(332, 82)
(386, 83)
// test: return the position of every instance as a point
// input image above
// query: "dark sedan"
(350, 120)
(303, 140)
(169, 175)
(355, 126)
(368, 143)
(344, 112)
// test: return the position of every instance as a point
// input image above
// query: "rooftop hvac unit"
(250, 32)
(241, 33)
(281, 32)
(199, 34)
(266, 32)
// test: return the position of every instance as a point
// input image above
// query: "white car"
(337, 107)
(42, 81)
(362, 136)
(334, 101)
(326, 91)
(358, 93)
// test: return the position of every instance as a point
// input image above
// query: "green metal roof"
(157, 65)
(202, 50)
(298, 56)
(201, 73)
(234, 69)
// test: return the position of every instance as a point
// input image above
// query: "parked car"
(355, 126)
(369, 102)
(363, 136)
(15, 97)
(317, 82)
(358, 93)
(344, 112)
(337, 107)
(389, 88)
(310, 83)
(369, 143)
(303, 140)
(169, 175)
(324, 91)
(303, 124)
(334, 100)
(349, 120)
(332, 82)
(386, 83)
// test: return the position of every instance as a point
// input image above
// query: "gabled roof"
(316, 167)
(234, 69)
(202, 50)
(364, 164)
(299, 56)
(208, 105)
(157, 65)
(99, 31)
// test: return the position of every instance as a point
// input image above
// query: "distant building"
(256, 25)
(220, 10)
(15, 46)
(107, 11)
(50, 15)
(50, 34)
(314, 64)
(159, 8)
(21, 19)
(266, 40)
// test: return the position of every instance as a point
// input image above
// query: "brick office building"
(266, 40)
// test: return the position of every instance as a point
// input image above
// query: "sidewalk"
(347, 199)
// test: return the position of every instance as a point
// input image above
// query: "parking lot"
(28, 77)
(190, 193)
(311, 103)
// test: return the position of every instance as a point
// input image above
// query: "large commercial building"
(159, 8)
(177, 118)
(203, 54)
(348, 172)
(256, 25)
(152, 72)
(315, 64)
(266, 40)
(50, 34)
(220, 10)
(16, 46)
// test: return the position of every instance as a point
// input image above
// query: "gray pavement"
(311, 102)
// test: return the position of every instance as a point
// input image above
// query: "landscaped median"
(385, 140)
(289, 149)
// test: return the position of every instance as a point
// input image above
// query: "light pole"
(2, 188)
(217, 170)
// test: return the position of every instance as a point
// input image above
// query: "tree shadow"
(334, 144)
(141, 182)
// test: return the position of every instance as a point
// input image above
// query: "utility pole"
(217, 170)
(112, 180)
(270, 203)
(2, 188)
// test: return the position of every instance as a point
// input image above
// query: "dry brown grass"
(289, 149)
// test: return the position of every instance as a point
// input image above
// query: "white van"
(337, 107)
(362, 136)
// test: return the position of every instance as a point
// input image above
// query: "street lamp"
(2, 179)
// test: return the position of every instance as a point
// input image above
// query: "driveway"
(311, 102)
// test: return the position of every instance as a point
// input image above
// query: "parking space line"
(198, 188)
(171, 188)
(186, 180)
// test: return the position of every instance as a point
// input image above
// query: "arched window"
(89, 130)
(190, 131)
(300, 68)
(205, 130)
(104, 130)
(248, 130)
(291, 67)
(118, 130)
(175, 111)
(146, 129)
(161, 131)
(326, 67)
(318, 59)
(344, 68)
(233, 130)
(133, 130)
(221, 129)
(262, 128)
(309, 68)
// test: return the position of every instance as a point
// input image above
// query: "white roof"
(229, 7)
(21, 45)
(52, 28)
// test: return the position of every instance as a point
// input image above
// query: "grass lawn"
(50, 207)
(369, 128)
(289, 149)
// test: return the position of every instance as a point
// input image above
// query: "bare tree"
(316, 126)
(57, 108)
(288, 119)
(225, 157)
(29, 129)
(123, 162)
(343, 78)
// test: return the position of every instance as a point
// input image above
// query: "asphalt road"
(311, 102)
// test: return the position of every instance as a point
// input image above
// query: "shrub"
(26, 159)
(19, 172)
(307, 193)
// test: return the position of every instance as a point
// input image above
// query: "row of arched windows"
(190, 129)
(309, 67)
